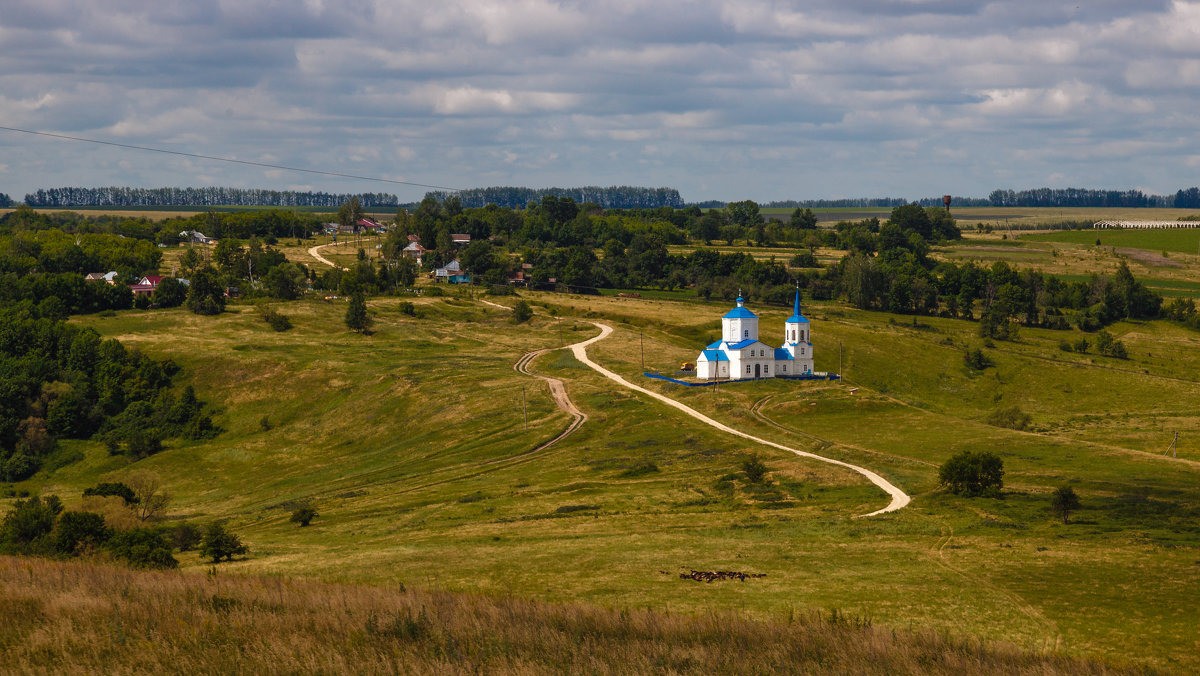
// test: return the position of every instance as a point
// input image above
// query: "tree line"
(612, 197)
(115, 196)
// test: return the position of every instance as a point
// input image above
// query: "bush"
(1012, 418)
(277, 321)
(26, 527)
(522, 312)
(976, 360)
(79, 528)
(407, 308)
(218, 543)
(117, 489)
(1064, 501)
(755, 469)
(143, 548)
(972, 474)
(304, 515)
(182, 536)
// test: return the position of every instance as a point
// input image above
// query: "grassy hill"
(411, 443)
(85, 618)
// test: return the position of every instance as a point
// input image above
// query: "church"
(739, 355)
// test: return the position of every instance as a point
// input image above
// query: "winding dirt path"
(558, 391)
(317, 255)
(899, 498)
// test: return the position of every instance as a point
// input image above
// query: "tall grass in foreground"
(80, 617)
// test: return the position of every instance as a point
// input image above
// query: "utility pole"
(642, 344)
(524, 408)
(839, 358)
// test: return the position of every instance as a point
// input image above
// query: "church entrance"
(758, 370)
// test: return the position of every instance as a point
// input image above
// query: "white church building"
(740, 355)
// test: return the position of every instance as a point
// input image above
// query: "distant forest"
(613, 197)
(206, 197)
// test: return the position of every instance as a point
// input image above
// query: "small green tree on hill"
(206, 294)
(522, 312)
(1064, 501)
(219, 543)
(972, 474)
(357, 318)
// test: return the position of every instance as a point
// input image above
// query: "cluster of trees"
(1077, 197)
(5, 201)
(889, 268)
(212, 196)
(613, 197)
(268, 224)
(59, 381)
(40, 526)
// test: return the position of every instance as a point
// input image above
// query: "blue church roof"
(739, 313)
(714, 355)
(740, 344)
(796, 317)
(715, 345)
(781, 353)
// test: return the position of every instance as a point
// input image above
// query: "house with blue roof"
(739, 354)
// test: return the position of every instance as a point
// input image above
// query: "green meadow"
(413, 445)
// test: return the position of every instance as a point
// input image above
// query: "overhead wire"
(228, 159)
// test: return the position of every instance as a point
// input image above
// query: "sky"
(726, 100)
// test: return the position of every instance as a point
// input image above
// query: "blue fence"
(707, 383)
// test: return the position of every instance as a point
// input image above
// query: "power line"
(227, 159)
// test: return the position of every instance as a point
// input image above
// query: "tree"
(304, 515)
(971, 474)
(170, 293)
(113, 488)
(285, 281)
(1064, 501)
(357, 318)
(522, 312)
(79, 528)
(151, 500)
(143, 547)
(206, 294)
(219, 543)
(744, 214)
(803, 219)
(28, 524)
(755, 469)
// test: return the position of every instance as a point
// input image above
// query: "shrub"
(972, 474)
(117, 489)
(277, 321)
(407, 308)
(640, 469)
(143, 548)
(1012, 418)
(357, 318)
(522, 312)
(1081, 346)
(755, 469)
(1064, 501)
(27, 525)
(219, 543)
(976, 360)
(79, 528)
(304, 515)
(183, 536)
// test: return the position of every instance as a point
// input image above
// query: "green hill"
(411, 442)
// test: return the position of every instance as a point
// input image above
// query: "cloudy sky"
(739, 99)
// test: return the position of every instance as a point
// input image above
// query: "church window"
(785, 368)
(747, 368)
(746, 333)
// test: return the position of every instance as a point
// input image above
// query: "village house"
(146, 285)
(195, 237)
(452, 273)
(107, 277)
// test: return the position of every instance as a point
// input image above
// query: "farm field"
(412, 444)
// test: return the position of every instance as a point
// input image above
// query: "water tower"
(946, 201)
